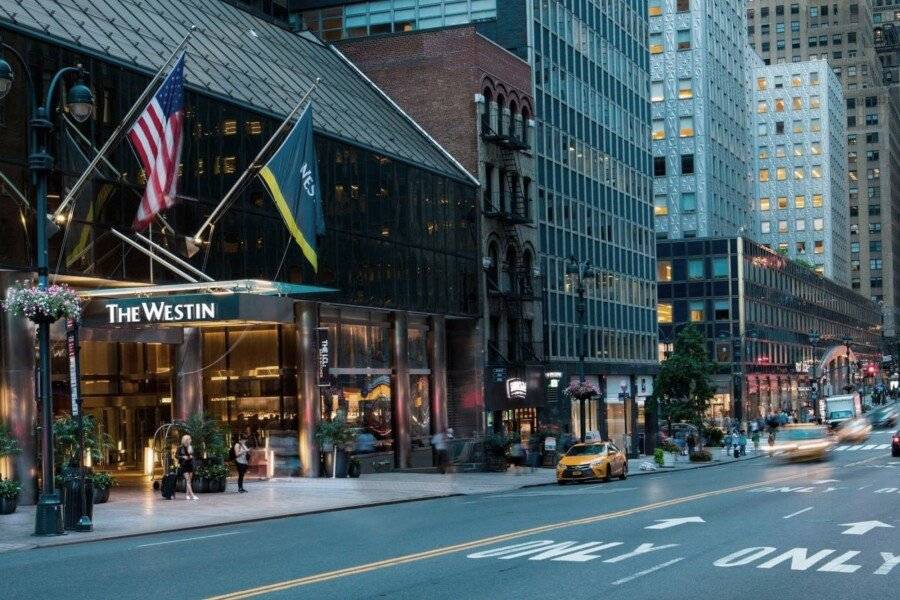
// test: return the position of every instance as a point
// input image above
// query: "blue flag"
(292, 179)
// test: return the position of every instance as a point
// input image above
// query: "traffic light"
(870, 369)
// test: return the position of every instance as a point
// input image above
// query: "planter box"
(669, 459)
(343, 464)
(101, 495)
(8, 505)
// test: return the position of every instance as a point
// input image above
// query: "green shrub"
(9, 488)
(496, 444)
(669, 446)
(713, 436)
(103, 480)
(658, 456)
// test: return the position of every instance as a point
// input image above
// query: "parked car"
(591, 461)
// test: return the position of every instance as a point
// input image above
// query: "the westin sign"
(160, 311)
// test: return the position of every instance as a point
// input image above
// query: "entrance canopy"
(217, 303)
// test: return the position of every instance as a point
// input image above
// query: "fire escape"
(513, 282)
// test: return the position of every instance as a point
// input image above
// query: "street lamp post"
(847, 339)
(583, 273)
(814, 390)
(80, 104)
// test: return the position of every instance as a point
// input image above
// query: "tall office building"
(886, 34)
(592, 148)
(801, 207)
(701, 139)
(842, 34)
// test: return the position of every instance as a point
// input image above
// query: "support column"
(400, 392)
(189, 374)
(631, 419)
(18, 409)
(437, 361)
(306, 318)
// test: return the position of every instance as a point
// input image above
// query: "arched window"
(500, 121)
(513, 109)
(526, 116)
(527, 271)
(486, 116)
(509, 269)
(493, 269)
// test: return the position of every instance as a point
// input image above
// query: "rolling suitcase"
(167, 488)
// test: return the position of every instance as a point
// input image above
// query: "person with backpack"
(240, 454)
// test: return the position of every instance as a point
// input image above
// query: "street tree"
(684, 386)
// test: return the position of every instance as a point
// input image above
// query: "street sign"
(74, 366)
(324, 348)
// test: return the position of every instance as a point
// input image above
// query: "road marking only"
(489, 541)
(646, 571)
(190, 539)
(799, 512)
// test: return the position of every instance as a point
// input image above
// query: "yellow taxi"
(591, 461)
(801, 442)
(854, 431)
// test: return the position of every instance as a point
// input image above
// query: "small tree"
(9, 446)
(684, 387)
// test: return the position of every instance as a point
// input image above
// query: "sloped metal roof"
(238, 57)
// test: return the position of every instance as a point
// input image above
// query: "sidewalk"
(139, 510)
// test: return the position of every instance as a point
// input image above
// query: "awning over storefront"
(237, 302)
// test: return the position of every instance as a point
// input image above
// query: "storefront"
(245, 358)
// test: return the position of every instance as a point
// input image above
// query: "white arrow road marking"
(666, 523)
(827, 481)
(863, 527)
(799, 512)
(646, 571)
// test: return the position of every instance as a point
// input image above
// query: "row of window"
(696, 268)
(799, 225)
(655, 7)
(685, 128)
(697, 311)
(800, 249)
(781, 173)
(796, 80)
(874, 246)
(685, 90)
(687, 201)
(814, 11)
(781, 202)
(815, 148)
(682, 41)
(797, 126)
(779, 105)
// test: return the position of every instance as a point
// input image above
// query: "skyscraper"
(842, 34)
(701, 139)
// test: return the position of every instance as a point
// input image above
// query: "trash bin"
(72, 501)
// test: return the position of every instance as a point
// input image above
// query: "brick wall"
(434, 76)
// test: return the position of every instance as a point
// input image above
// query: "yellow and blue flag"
(292, 179)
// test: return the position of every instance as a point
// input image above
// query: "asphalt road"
(755, 529)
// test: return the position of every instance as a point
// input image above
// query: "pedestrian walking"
(534, 452)
(517, 455)
(727, 443)
(742, 440)
(691, 442)
(185, 456)
(755, 438)
(439, 441)
(241, 459)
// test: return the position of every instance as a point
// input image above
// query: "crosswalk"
(862, 447)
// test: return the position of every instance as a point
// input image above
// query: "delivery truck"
(839, 409)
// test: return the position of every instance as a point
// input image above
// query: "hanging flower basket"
(581, 391)
(44, 306)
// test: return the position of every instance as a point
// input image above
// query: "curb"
(105, 538)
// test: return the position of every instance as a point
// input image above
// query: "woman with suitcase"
(185, 456)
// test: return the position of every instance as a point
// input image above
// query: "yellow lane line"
(443, 551)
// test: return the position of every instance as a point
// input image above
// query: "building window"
(815, 125)
(657, 93)
(687, 164)
(814, 78)
(763, 152)
(799, 201)
(683, 5)
(685, 88)
(664, 312)
(688, 202)
(779, 104)
(764, 204)
(782, 202)
(782, 227)
(854, 247)
(685, 127)
(801, 248)
(762, 107)
(763, 174)
(695, 309)
(660, 205)
(814, 102)
(779, 127)
(798, 149)
(819, 247)
(695, 268)
(659, 166)
(815, 171)
(781, 173)
(818, 224)
(798, 126)
(720, 266)
(875, 246)
(721, 310)
(761, 83)
(664, 270)
(799, 173)
(875, 264)
(656, 43)
(800, 225)
(761, 129)
(797, 103)
(815, 148)
(654, 8)
(659, 129)
(779, 151)
(765, 227)
(683, 39)
(817, 200)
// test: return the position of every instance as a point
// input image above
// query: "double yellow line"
(445, 550)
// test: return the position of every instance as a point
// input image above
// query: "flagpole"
(152, 256)
(254, 164)
(125, 123)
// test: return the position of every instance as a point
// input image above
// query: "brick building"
(474, 98)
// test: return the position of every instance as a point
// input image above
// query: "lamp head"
(80, 101)
(6, 78)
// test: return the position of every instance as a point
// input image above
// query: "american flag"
(156, 137)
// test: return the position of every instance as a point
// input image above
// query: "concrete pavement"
(139, 510)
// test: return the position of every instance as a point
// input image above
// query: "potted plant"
(495, 447)
(102, 482)
(333, 438)
(9, 496)
(659, 457)
(217, 474)
(581, 390)
(67, 445)
(670, 451)
(206, 436)
(46, 305)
